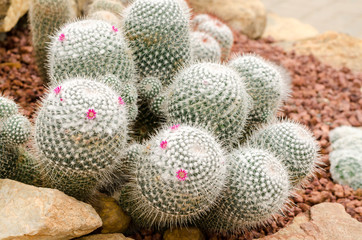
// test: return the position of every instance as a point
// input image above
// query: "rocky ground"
(322, 99)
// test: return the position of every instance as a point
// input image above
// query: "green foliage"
(46, 17)
(175, 177)
(80, 134)
(257, 188)
(158, 32)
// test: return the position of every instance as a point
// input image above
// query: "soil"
(322, 99)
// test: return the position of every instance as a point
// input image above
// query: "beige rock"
(10, 12)
(114, 236)
(190, 233)
(247, 16)
(325, 221)
(287, 29)
(114, 219)
(336, 49)
(28, 212)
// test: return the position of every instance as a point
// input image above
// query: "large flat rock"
(336, 49)
(28, 212)
(10, 12)
(325, 221)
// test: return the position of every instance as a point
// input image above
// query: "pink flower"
(120, 100)
(163, 144)
(61, 99)
(61, 37)
(114, 29)
(91, 114)
(174, 127)
(181, 175)
(57, 90)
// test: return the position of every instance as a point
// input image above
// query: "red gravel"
(323, 98)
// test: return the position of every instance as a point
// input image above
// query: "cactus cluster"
(221, 32)
(346, 156)
(112, 80)
(15, 161)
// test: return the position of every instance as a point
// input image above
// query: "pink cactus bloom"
(120, 100)
(61, 99)
(163, 144)
(91, 114)
(114, 29)
(57, 90)
(174, 127)
(61, 37)
(181, 174)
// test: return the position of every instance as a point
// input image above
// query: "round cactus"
(80, 133)
(7, 108)
(149, 88)
(351, 142)
(200, 18)
(293, 144)
(46, 16)
(211, 95)
(158, 31)
(18, 164)
(222, 34)
(256, 189)
(346, 167)
(15, 130)
(176, 177)
(106, 16)
(204, 48)
(91, 49)
(343, 131)
(263, 83)
(113, 6)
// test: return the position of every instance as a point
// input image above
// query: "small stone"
(114, 219)
(338, 191)
(114, 236)
(28, 212)
(190, 233)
